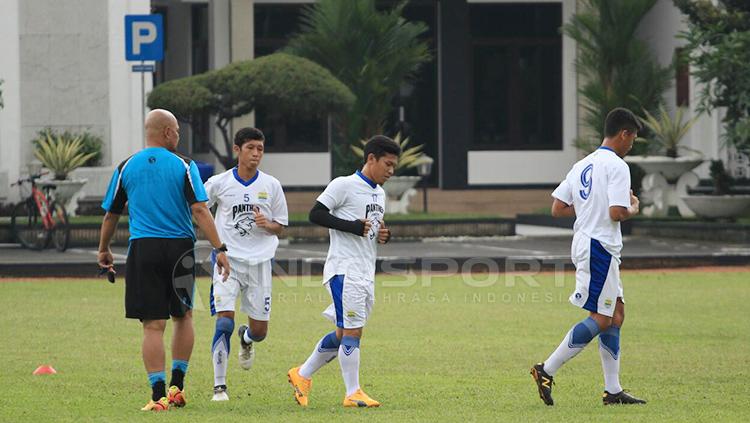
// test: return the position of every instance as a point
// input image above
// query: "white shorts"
(251, 282)
(353, 299)
(598, 283)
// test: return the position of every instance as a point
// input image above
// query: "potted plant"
(668, 176)
(61, 154)
(721, 203)
(399, 188)
(666, 133)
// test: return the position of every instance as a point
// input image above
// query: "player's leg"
(153, 360)
(326, 348)
(609, 351)
(357, 298)
(223, 295)
(256, 303)
(147, 300)
(183, 339)
(592, 282)
(179, 270)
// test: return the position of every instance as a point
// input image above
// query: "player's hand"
(384, 234)
(222, 264)
(635, 203)
(367, 227)
(260, 219)
(106, 260)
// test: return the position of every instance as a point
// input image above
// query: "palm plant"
(409, 158)
(667, 132)
(618, 69)
(372, 52)
(61, 155)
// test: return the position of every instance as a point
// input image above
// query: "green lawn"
(435, 350)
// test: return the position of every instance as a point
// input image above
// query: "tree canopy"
(281, 84)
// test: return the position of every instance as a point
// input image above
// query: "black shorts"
(160, 278)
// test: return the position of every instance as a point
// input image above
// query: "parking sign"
(144, 37)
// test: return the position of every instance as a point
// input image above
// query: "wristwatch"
(221, 249)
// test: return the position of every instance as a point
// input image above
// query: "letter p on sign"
(144, 37)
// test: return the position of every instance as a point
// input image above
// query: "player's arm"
(620, 213)
(205, 221)
(109, 224)
(562, 209)
(273, 227)
(321, 215)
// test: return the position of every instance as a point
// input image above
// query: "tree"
(618, 69)
(718, 38)
(280, 83)
(372, 52)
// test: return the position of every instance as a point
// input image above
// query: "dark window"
(274, 23)
(517, 76)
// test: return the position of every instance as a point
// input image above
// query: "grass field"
(440, 349)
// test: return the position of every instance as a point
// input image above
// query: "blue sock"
(220, 349)
(179, 369)
(223, 333)
(250, 337)
(583, 333)
(575, 340)
(157, 381)
(330, 341)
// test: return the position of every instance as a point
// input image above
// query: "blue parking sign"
(144, 37)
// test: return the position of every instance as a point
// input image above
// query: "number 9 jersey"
(594, 184)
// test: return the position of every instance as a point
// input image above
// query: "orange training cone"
(45, 369)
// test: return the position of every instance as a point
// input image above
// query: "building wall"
(64, 67)
(660, 28)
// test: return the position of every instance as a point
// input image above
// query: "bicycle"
(39, 219)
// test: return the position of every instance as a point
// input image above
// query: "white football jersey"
(353, 197)
(237, 203)
(596, 183)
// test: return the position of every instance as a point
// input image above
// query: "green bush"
(282, 84)
(618, 69)
(718, 39)
(91, 144)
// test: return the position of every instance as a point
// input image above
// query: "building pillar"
(454, 106)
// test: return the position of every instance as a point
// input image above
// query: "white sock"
(324, 352)
(349, 361)
(220, 358)
(609, 351)
(574, 342)
(246, 337)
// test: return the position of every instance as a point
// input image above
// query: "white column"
(124, 85)
(10, 114)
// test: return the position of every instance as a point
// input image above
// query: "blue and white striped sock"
(325, 350)
(574, 342)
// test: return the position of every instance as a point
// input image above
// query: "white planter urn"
(399, 190)
(717, 206)
(667, 180)
(66, 192)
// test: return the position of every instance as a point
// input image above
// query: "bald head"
(162, 129)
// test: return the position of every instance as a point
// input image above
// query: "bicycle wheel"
(28, 227)
(61, 230)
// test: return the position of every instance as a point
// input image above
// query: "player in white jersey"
(251, 213)
(352, 207)
(597, 193)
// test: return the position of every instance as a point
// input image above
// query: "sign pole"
(143, 104)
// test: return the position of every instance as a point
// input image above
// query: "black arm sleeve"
(321, 215)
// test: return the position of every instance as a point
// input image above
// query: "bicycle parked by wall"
(38, 219)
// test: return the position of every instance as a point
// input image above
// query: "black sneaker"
(620, 398)
(544, 383)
